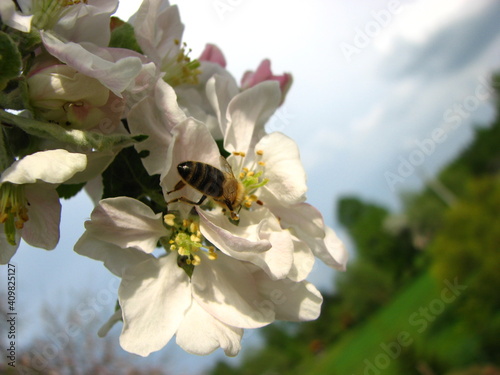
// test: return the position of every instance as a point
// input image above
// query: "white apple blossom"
(29, 203)
(257, 237)
(269, 168)
(158, 30)
(203, 297)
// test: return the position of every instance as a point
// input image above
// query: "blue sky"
(374, 82)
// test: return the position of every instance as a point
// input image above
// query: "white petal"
(115, 259)
(14, 19)
(258, 238)
(303, 217)
(226, 290)
(295, 301)
(44, 212)
(303, 260)
(157, 27)
(248, 112)
(200, 333)
(287, 177)
(308, 225)
(229, 238)
(97, 162)
(115, 75)
(94, 189)
(154, 297)
(334, 253)
(156, 116)
(87, 22)
(220, 90)
(126, 222)
(53, 166)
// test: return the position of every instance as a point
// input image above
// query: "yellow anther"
(195, 238)
(193, 227)
(183, 251)
(261, 163)
(212, 256)
(196, 260)
(251, 173)
(169, 219)
(185, 223)
(172, 247)
(259, 152)
(242, 175)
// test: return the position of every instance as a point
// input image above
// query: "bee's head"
(185, 168)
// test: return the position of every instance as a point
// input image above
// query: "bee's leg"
(234, 215)
(178, 186)
(185, 200)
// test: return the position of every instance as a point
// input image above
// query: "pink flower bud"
(264, 73)
(212, 53)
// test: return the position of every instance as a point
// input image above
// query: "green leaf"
(67, 191)
(10, 60)
(81, 138)
(15, 95)
(123, 36)
(126, 176)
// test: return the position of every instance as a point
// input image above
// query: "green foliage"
(385, 252)
(424, 212)
(467, 248)
(10, 60)
(80, 138)
(364, 222)
(364, 289)
(123, 36)
(126, 176)
(67, 191)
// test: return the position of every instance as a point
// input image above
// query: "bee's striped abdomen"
(203, 177)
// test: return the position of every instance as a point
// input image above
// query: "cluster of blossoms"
(198, 210)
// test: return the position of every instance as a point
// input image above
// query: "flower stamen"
(13, 209)
(251, 178)
(181, 69)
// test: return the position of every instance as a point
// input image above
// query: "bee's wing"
(226, 168)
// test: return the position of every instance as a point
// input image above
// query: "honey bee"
(220, 185)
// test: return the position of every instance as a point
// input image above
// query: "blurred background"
(394, 107)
